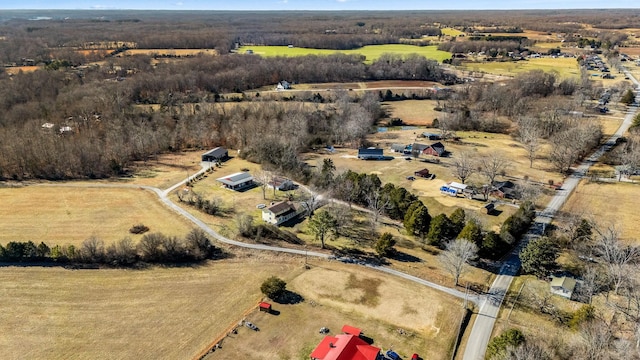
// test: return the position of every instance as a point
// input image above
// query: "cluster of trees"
(155, 248)
(492, 49)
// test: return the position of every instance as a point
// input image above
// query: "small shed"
(424, 173)
(265, 306)
(399, 148)
(489, 208)
(347, 329)
(563, 286)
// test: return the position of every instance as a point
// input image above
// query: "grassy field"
(16, 69)
(70, 215)
(451, 32)
(564, 67)
(594, 201)
(160, 313)
(371, 52)
(364, 298)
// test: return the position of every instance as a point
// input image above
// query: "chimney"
(331, 345)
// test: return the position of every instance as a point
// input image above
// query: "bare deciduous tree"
(617, 257)
(529, 135)
(263, 178)
(457, 255)
(492, 165)
(463, 166)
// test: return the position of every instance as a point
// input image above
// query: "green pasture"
(370, 52)
(564, 67)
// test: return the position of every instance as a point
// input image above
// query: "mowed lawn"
(608, 204)
(564, 67)
(337, 294)
(370, 52)
(160, 313)
(71, 214)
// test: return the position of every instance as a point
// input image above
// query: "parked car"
(411, 178)
(393, 355)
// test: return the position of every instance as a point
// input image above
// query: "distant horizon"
(317, 5)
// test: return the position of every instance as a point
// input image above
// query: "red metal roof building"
(350, 330)
(344, 347)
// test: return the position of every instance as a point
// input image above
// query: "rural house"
(431, 136)
(237, 181)
(563, 286)
(280, 213)
(283, 85)
(417, 148)
(436, 149)
(504, 190)
(281, 184)
(370, 154)
(345, 347)
(217, 154)
(399, 148)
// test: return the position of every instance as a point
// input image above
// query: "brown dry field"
(59, 215)
(413, 112)
(16, 69)
(159, 313)
(166, 170)
(377, 303)
(383, 84)
(608, 204)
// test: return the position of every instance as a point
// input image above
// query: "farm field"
(565, 67)
(370, 52)
(158, 313)
(59, 215)
(16, 69)
(372, 301)
(413, 112)
(594, 201)
(451, 32)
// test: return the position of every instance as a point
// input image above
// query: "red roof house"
(350, 330)
(344, 347)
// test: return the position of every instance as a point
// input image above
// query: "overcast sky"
(316, 4)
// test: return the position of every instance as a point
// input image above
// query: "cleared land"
(413, 112)
(370, 52)
(69, 215)
(166, 170)
(565, 67)
(160, 313)
(595, 201)
(16, 69)
(356, 296)
(451, 32)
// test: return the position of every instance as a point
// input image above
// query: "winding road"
(490, 305)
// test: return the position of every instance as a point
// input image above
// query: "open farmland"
(413, 112)
(593, 201)
(70, 214)
(373, 301)
(370, 52)
(565, 67)
(159, 313)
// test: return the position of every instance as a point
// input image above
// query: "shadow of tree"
(290, 298)
(404, 257)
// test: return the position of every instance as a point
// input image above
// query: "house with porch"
(279, 213)
(238, 181)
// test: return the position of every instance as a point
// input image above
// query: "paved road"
(490, 306)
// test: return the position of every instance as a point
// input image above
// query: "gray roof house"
(217, 154)
(237, 181)
(280, 213)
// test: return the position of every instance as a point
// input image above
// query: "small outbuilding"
(237, 181)
(424, 173)
(563, 286)
(217, 154)
(350, 330)
(264, 306)
(370, 154)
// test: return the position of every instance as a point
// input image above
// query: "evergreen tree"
(539, 256)
(440, 230)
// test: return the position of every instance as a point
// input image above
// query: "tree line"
(153, 248)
